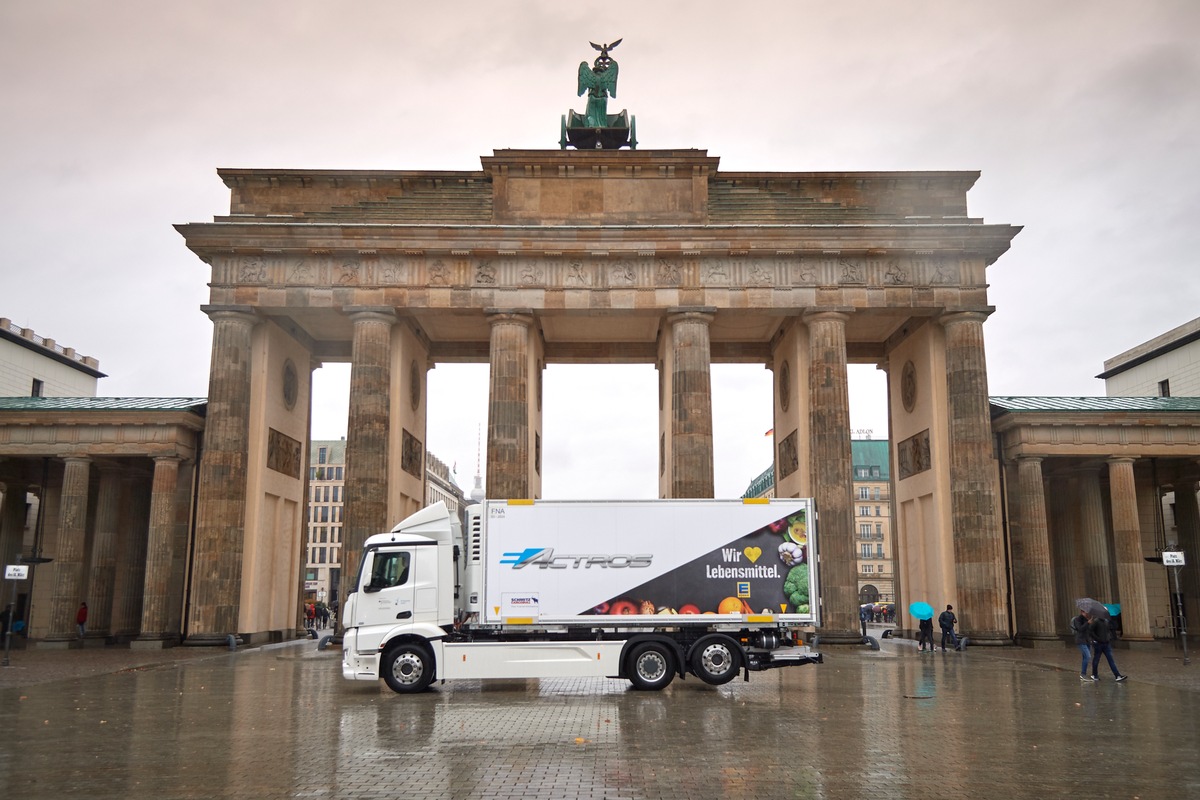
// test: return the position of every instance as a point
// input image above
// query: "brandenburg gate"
(598, 256)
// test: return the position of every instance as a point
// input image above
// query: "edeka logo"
(544, 558)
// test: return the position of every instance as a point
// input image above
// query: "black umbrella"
(1093, 608)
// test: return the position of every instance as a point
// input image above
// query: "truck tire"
(716, 659)
(407, 668)
(650, 666)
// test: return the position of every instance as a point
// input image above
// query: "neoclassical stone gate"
(648, 256)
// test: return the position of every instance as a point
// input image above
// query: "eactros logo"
(544, 558)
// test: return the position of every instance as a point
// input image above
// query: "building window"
(1164, 388)
(865, 531)
(321, 454)
(867, 568)
(337, 494)
(38, 389)
(866, 551)
(879, 551)
(878, 513)
(862, 492)
(875, 472)
(338, 473)
(876, 493)
(864, 511)
(878, 530)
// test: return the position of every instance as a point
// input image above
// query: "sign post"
(14, 573)
(1176, 560)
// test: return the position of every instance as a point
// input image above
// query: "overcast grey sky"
(1082, 117)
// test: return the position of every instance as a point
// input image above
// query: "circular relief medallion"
(414, 385)
(785, 386)
(291, 384)
(908, 386)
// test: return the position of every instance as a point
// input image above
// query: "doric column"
(69, 567)
(1187, 522)
(1127, 548)
(12, 524)
(1097, 572)
(160, 552)
(833, 474)
(691, 406)
(365, 509)
(220, 511)
(1032, 575)
(1064, 536)
(131, 559)
(104, 551)
(511, 456)
(978, 541)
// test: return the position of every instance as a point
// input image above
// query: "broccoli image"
(795, 586)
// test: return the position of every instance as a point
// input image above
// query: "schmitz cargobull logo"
(544, 558)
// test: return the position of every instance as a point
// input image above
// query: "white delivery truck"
(641, 590)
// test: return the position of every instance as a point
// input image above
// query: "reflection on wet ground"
(282, 723)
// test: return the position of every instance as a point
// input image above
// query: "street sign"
(1173, 558)
(16, 572)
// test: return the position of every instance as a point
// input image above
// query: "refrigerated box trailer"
(637, 590)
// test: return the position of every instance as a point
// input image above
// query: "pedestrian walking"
(925, 634)
(1083, 640)
(947, 621)
(81, 620)
(862, 619)
(1102, 645)
(310, 614)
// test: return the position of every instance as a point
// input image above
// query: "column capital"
(1027, 459)
(77, 459)
(839, 314)
(177, 459)
(236, 313)
(700, 314)
(510, 316)
(385, 314)
(1121, 459)
(953, 315)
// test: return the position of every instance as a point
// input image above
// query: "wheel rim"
(408, 668)
(651, 666)
(716, 659)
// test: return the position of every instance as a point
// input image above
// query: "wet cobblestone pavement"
(280, 722)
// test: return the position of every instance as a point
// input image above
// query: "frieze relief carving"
(716, 272)
(439, 275)
(578, 274)
(532, 274)
(283, 454)
(622, 274)
(348, 273)
(253, 270)
(393, 271)
(912, 454)
(895, 275)
(669, 273)
(485, 274)
(411, 454)
(850, 271)
(789, 455)
(301, 271)
(760, 276)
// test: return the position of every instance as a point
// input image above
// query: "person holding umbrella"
(924, 614)
(1101, 633)
(1083, 640)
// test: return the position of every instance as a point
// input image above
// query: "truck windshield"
(388, 570)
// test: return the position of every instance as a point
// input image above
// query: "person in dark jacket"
(925, 627)
(1102, 644)
(947, 621)
(1083, 640)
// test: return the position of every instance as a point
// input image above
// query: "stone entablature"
(1097, 434)
(100, 433)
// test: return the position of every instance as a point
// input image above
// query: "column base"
(56, 644)
(153, 642)
(985, 639)
(840, 638)
(211, 640)
(1038, 641)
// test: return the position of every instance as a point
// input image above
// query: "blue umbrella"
(1113, 608)
(921, 610)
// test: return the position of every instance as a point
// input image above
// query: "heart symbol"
(753, 553)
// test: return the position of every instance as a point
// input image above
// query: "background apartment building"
(872, 517)
(326, 501)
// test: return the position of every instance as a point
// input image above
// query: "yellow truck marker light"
(521, 502)
(760, 618)
(755, 501)
(518, 620)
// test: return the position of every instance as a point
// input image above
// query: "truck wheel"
(716, 660)
(651, 666)
(407, 668)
